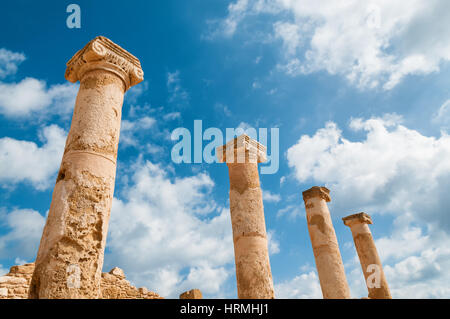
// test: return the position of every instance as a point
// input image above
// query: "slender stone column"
(70, 257)
(325, 245)
(253, 274)
(368, 255)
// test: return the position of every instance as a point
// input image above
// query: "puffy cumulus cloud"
(168, 234)
(23, 231)
(9, 62)
(32, 97)
(25, 161)
(371, 43)
(395, 171)
(423, 275)
(303, 286)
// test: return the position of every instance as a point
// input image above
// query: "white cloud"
(270, 197)
(172, 116)
(25, 161)
(423, 275)
(25, 230)
(290, 34)
(303, 286)
(393, 170)
(32, 97)
(236, 12)
(9, 62)
(167, 242)
(373, 43)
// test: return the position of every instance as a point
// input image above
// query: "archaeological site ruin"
(70, 257)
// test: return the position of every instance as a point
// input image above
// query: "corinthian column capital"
(101, 53)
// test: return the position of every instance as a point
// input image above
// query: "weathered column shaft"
(330, 268)
(253, 274)
(368, 255)
(70, 256)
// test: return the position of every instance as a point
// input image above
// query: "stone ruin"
(16, 284)
(70, 257)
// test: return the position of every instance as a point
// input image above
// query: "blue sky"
(359, 92)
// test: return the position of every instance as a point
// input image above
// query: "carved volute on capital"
(317, 191)
(102, 53)
(360, 218)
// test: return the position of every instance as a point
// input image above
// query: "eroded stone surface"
(330, 268)
(70, 256)
(253, 273)
(16, 284)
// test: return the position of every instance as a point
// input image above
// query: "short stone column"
(325, 245)
(192, 294)
(70, 257)
(253, 274)
(368, 255)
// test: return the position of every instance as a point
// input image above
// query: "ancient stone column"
(368, 255)
(325, 245)
(70, 257)
(253, 274)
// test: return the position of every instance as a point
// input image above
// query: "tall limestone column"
(368, 255)
(325, 245)
(253, 274)
(70, 257)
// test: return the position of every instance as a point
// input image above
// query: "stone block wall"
(15, 285)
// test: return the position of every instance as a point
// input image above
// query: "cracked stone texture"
(77, 223)
(253, 273)
(330, 268)
(16, 283)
